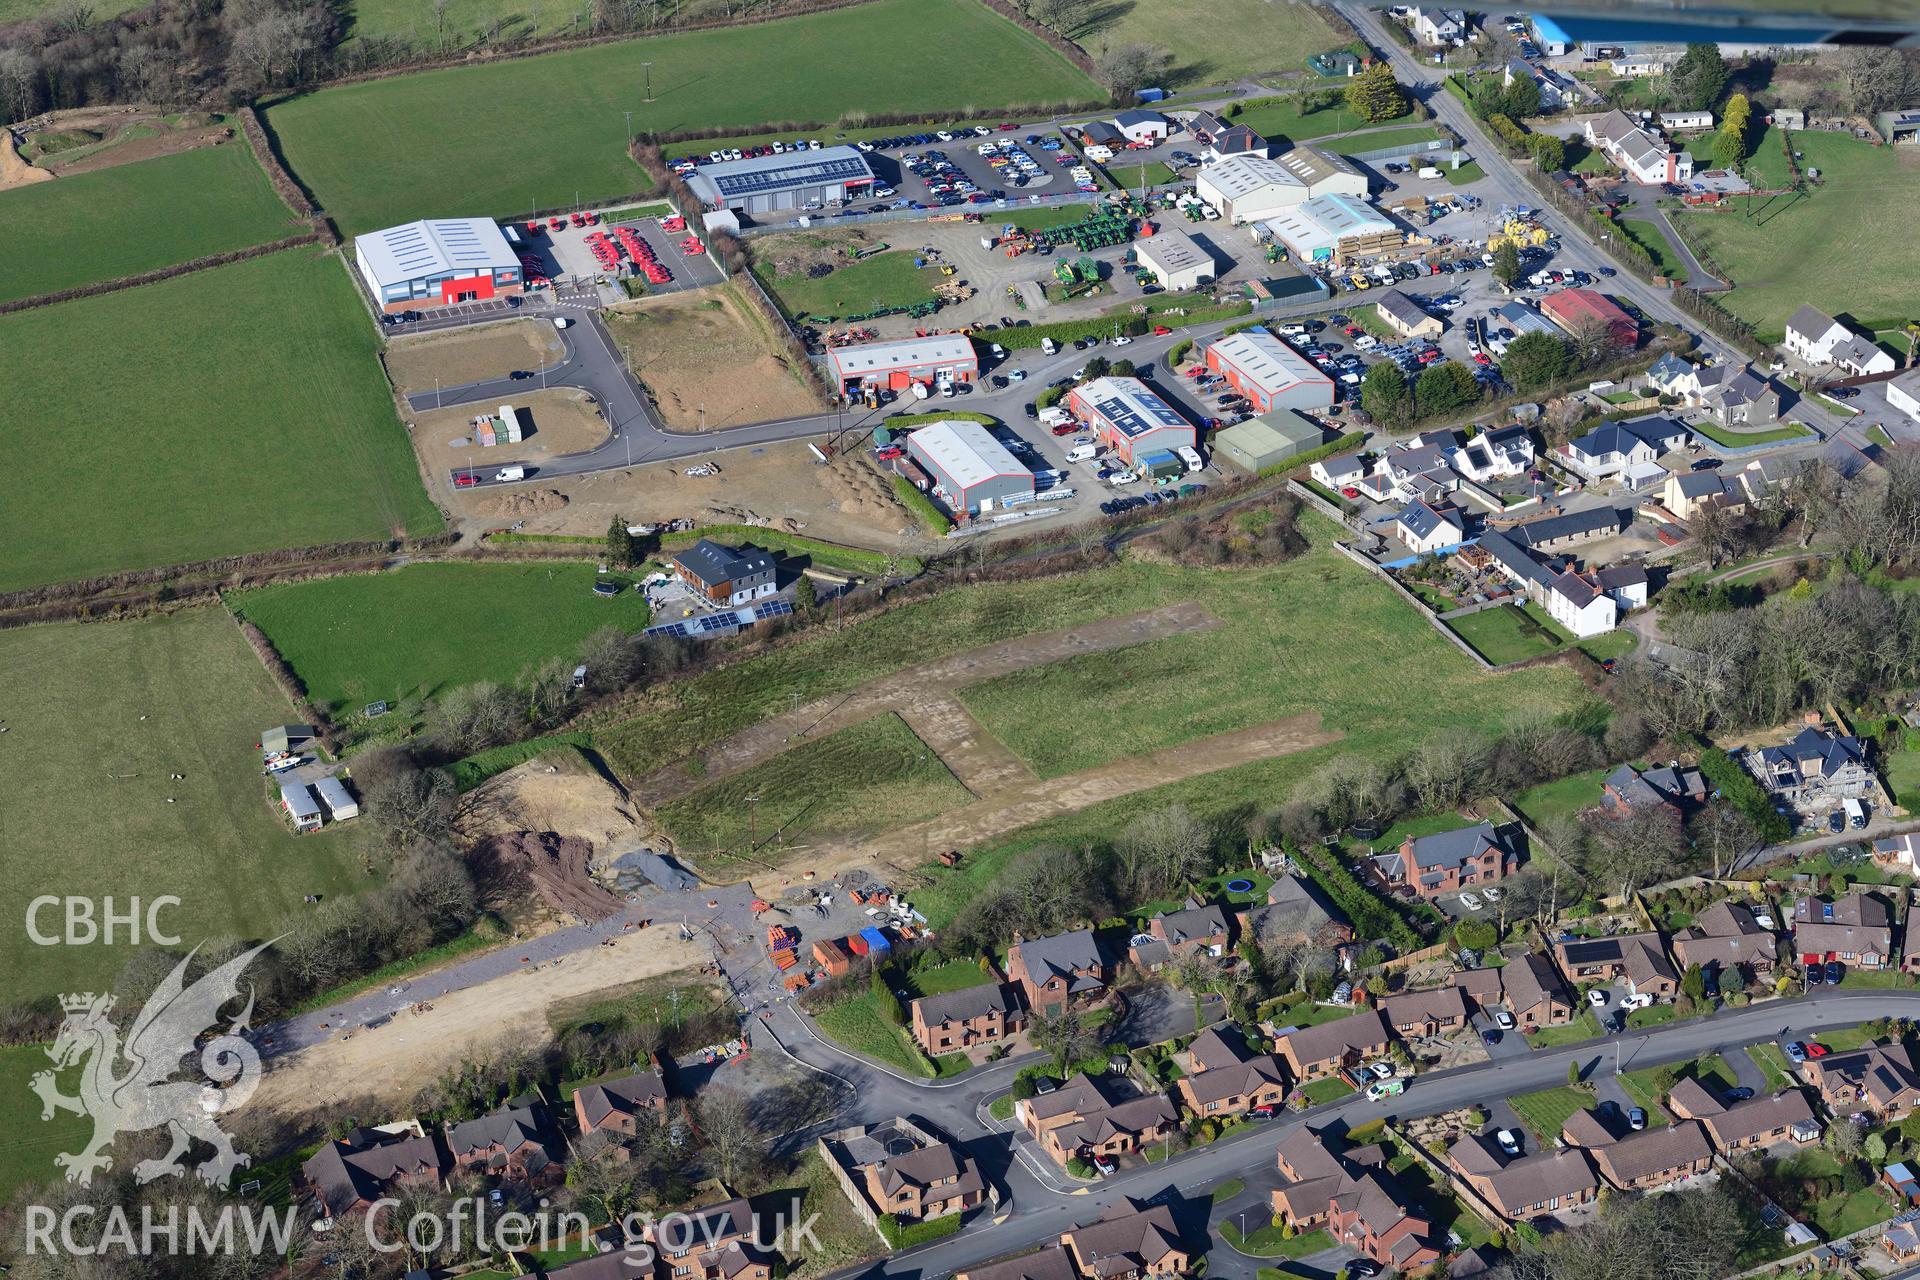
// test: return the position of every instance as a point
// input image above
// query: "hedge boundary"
(121, 283)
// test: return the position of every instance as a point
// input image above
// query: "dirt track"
(15, 172)
(923, 696)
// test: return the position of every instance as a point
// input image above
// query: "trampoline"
(1239, 886)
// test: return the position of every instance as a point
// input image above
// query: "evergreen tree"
(1506, 263)
(1549, 153)
(1536, 359)
(1375, 95)
(1384, 392)
(804, 595)
(1521, 98)
(1700, 77)
(621, 552)
(1444, 387)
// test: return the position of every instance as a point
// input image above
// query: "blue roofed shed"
(876, 941)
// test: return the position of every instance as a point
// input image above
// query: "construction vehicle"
(947, 269)
(868, 252)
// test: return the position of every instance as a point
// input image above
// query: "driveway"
(1160, 1011)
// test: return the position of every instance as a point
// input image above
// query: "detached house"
(1676, 787)
(724, 576)
(1048, 1262)
(618, 1104)
(1857, 930)
(1817, 339)
(1052, 972)
(928, 1182)
(1170, 935)
(1637, 957)
(1877, 1081)
(1816, 768)
(1087, 1116)
(1429, 526)
(1686, 493)
(1132, 1240)
(957, 1020)
(1424, 1014)
(1730, 396)
(1644, 157)
(348, 1175)
(1223, 1078)
(1744, 1126)
(1627, 449)
(1314, 1052)
(1354, 1196)
(1495, 454)
(1338, 473)
(1535, 995)
(1438, 26)
(1448, 861)
(1576, 601)
(1523, 1188)
(1724, 939)
(511, 1143)
(1294, 912)
(715, 1243)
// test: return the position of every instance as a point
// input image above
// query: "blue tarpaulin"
(876, 941)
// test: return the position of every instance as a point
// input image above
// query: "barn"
(900, 363)
(1259, 443)
(1129, 418)
(1269, 373)
(437, 262)
(1578, 310)
(791, 182)
(1249, 188)
(972, 472)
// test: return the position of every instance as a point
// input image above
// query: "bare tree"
(735, 1144)
(19, 82)
(1127, 68)
(1446, 770)
(1063, 1035)
(1877, 79)
(1632, 847)
(1712, 528)
(1164, 849)
(1725, 835)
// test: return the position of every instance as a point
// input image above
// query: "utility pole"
(629, 115)
(648, 68)
(753, 823)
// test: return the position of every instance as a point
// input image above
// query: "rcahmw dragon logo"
(144, 1095)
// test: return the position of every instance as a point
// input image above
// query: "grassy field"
(99, 715)
(430, 627)
(1412, 136)
(137, 217)
(1266, 37)
(1569, 795)
(416, 146)
(1134, 176)
(873, 776)
(1503, 635)
(27, 1155)
(884, 280)
(1844, 247)
(238, 409)
(1649, 236)
(1277, 119)
(856, 1023)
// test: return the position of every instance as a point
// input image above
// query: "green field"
(884, 280)
(238, 409)
(428, 628)
(1278, 120)
(1903, 777)
(1502, 635)
(1413, 136)
(1649, 236)
(873, 776)
(1261, 37)
(1562, 798)
(99, 715)
(137, 217)
(27, 1154)
(417, 146)
(856, 1024)
(1844, 247)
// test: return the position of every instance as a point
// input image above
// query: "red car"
(1262, 1112)
(1353, 331)
(1817, 1050)
(1428, 357)
(1161, 331)
(1198, 371)
(1481, 357)
(556, 224)
(1349, 492)
(1008, 128)
(1066, 428)
(465, 480)
(888, 453)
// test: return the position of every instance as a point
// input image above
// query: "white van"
(1365, 342)
(1191, 456)
(1047, 346)
(1293, 328)
(1428, 171)
(1856, 814)
(1082, 453)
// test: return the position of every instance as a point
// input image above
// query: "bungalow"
(1645, 158)
(1787, 1116)
(1406, 317)
(1525, 1187)
(1820, 341)
(1587, 1130)
(715, 1243)
(1425, 1014)
(1637, 957)
(1637, 65)
(1048, 1262)
(1312, 1053)
(1655, 1157)
(1877, 1081)
(1294, 912)
(1725, 939)
(1338, 473)
(1171, 935)
(618, 1104)
(1139, 126)
(1224, 1078)
(1678, 788)
(511, 1143)
(1448, 861)
(1818, 767)
(1238, 141)
(1857, 930)
(1425, 526)
(1130, 1240)
(1686, 121)
(1902, 1241)
(1355, 1197)
(1618, 448)
(350, 1174)
(954, 1021)
(1051, 972)
(1085, 1116)
(1495, 454)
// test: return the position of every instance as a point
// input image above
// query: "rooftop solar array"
(435, 247)
(737, 178)
(1132, 410)
(725, 622)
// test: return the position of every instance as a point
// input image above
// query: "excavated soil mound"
(553, 865)
(529, 502)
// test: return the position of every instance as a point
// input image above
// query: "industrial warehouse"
(1129, 418)
(791, 180)
(1333, 228)
(971, 471)
(439, 262)
(1269, 373)
(1175, 260)
(897, 365)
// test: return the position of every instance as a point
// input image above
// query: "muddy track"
(923, 696)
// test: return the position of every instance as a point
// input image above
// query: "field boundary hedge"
(1204, 312)
(291, 193)
(122, 283)
(288, 681)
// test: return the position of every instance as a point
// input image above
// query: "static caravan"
(340, 803)
(298, 803)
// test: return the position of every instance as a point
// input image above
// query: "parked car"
(1796, 1052)
(1817, 1050)
(1740, 1094)
(1262, 1112)
(1834, 972)
(1640, 1000)
(1509, 1141)
(1636, 1119)
(888, 453)
(1503, 1020)
(1471, 901)
(1385, 1089)
(1816, 974)
(1490, 1036)
(1597, 997)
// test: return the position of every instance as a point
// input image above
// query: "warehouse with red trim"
(1269, 373)
(902, 362)
(1577, 310)
(1129, 418)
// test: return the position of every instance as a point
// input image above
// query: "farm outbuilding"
(1129, 418)
(283, 738)
(972, 472)
(339, 801)
(789, 182)
(1269, 440)
(1175, 260)
(297, 802)
(437, 262)
(900, 363)
(1577, 310)
(1269, 373)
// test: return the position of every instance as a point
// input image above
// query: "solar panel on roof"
(774, 609)
(844, 169)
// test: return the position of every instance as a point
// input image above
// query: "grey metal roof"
(736, 179)
(435, 247)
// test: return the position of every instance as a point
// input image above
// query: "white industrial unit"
(1176, 261)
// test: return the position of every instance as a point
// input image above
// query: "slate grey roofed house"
(1816, 766)
(1614, 447)
(1448, 861)
(1425, 526)
(510, 1142)
(351, 1173)
(1295, 909)
(1567, 529)
(725, 576)
(1240, 141)
(1053, 970)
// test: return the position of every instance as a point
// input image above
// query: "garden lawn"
(855, 288)
(869, 777)
(1903, 777)
(137, 217)
(1277, 120)
(856, 1024)
(1265, 37)
(1504, 634)
(1566, 796)
(1617, 643)
(1466, 173)
(1745, 439)
(1380, 140)
(1842, 1214)
(427, 628)
(1134, 176)
(954, 975)
(238, 409)
(451, 142)
(99, 715)
(1773, 1065)
(1269, 1241)
(1844, 247)
(1327, 1090)
(1546, 1112)
(1649, 236)
(1584, 1027)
